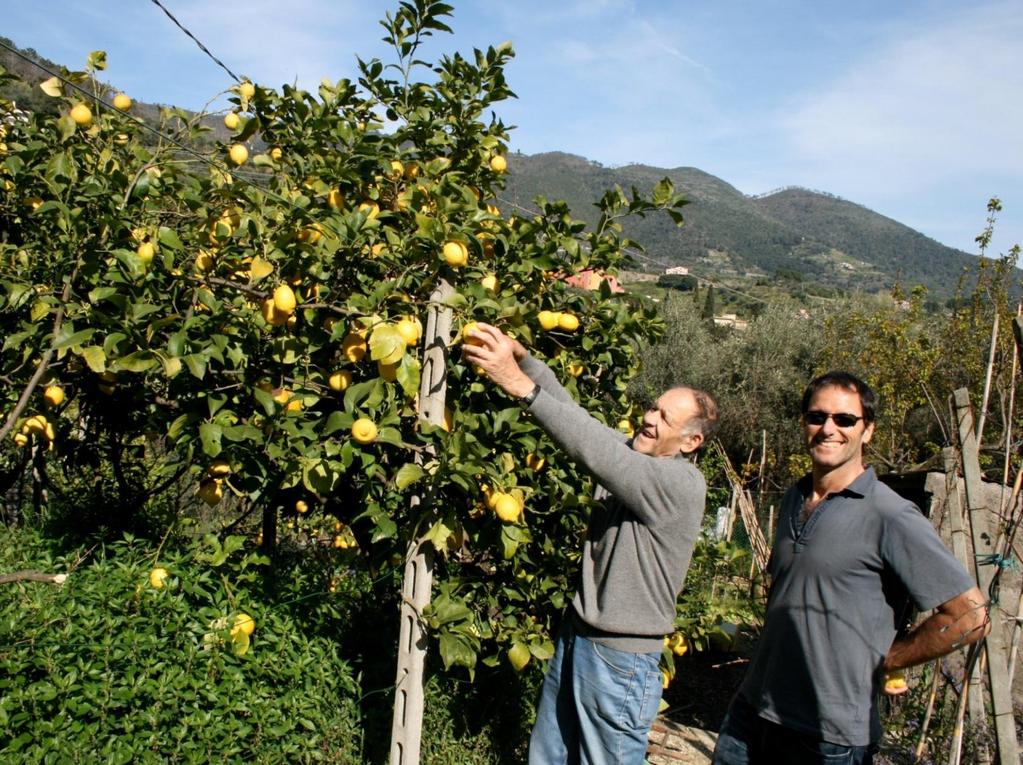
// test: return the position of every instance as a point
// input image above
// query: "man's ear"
(691, 442)
(868, 432)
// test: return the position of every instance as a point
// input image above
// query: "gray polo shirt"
(836, 586)
(642, 529)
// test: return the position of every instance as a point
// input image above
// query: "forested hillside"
(795, 233)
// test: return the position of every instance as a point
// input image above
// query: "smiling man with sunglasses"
(848, 551)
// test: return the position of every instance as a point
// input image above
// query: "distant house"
(731, 320)
(677, 271)
(588, 279)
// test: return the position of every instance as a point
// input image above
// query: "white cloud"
(933, 104)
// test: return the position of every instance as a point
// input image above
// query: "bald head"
(679, 421)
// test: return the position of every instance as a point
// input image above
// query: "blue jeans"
(748, 739)
(597, 704)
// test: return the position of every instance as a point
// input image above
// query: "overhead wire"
(202, 47)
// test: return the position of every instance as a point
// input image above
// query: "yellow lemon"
(409, 330)
(507, 507)
(535, 463)
(232, 121)
(665, 678)
(568, 322)
(276, 153)
(354, 347)
(284, 299)
(498, 163)
(218, 469)
(210, 491)
(340, 380)
(204, 261)
(548, 319)
(370, 209)
(455, 254)
(36, 424)
(157, 577)
(20, 439)
(472, 326)
(575, 368)
(489, 282)
(397, 170)
(238, 154)
(53, 395)
(677, 643)
(243, 623)
(122, 102)
(335, 198)
(145, 251)
(895, 681)
(271, 315)
(82, 115)
(301, 506)
(246, 90)
(364, 431)
(411, 171)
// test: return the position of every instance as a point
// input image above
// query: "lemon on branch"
(364, 431)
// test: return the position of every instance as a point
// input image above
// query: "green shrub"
(110, 669)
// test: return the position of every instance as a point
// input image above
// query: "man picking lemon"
(603, 686)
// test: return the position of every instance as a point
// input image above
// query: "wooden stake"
(987, 380)
(1001, 692)
(407, 723)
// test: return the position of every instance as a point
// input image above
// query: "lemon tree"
(245, 319)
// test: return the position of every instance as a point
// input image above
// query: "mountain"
(793, 233)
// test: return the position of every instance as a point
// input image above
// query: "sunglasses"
(841, 419)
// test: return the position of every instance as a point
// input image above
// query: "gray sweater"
(642, 531)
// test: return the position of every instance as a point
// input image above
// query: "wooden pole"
(983, 540)
(987, 380)
(961, 549)
(407, 723)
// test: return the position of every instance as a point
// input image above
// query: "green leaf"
(322, 476)
(39, 309)
(95, 358)
(196, 365)
(97, 61)
(438, 536)
(68, 337)
(52, 87)
(169, 238)
(210, 434)
(456, 649)
(390, 436)
(139, 361)
(407, 475)
(386, 344)
(171, 365)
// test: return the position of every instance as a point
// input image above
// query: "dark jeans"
(747, 739)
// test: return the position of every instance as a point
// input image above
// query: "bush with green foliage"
(109, 668)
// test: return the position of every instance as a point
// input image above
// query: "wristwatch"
(530, 397)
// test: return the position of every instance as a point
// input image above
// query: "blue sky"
(913, 108)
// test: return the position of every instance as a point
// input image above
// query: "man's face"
(664, 432)
(831, 446)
